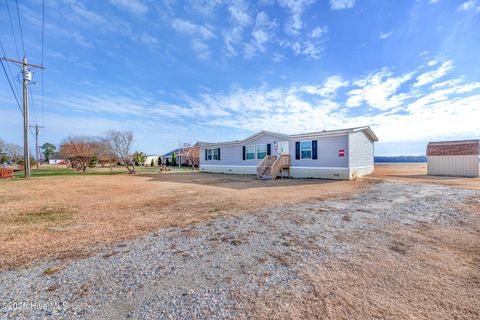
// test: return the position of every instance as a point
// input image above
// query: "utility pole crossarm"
(22, 63)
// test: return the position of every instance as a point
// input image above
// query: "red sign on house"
(341, 153)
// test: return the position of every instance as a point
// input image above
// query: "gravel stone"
(196, 271)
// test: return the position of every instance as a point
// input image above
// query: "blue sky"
(220, 70)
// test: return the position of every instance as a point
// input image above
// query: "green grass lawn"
(62, 171)
(44, 172)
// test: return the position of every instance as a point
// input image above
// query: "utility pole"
(27, 76)
(37, 150)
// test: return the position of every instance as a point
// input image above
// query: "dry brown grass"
(66, 216)
(410, 272)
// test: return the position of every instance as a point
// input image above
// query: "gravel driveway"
(207, 270)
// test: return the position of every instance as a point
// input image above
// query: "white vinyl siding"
(250, 152)
(306, 150)
(261, 151)
(361, 150)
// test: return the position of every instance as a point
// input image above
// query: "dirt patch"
(66, 216)
(417, 173)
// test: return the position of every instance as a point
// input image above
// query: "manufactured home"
(453, 158)
(333, 154)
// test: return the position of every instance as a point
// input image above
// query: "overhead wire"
(11, 87)
(20, 26)
(43, 37)
(13, 29)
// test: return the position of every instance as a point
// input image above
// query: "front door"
(283, 148)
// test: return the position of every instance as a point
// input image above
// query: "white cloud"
(385, 35)
(467, 5)
(296, 8)
(311, 49)
(232, 38)
(239, 13)
(328, 88)
(133, 6)
(431, 76)
(396, 110)
(261, 34)
(341, 4)
(192, 29)
(277, 57)
(318, 32)
(448, 83)
(199, 34)
(379, 90)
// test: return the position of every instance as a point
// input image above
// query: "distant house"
(149, 158)
(167, 157)
(453, 158)
(56, 158)
(334, 154)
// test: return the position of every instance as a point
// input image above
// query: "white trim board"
(299, 167)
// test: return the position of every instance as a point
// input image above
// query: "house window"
(261, 151)
(250, 152)
(305, 149)
(212, 154)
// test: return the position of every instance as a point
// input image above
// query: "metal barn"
(454, 158)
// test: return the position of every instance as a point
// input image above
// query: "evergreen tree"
(152, 163)
(174, 159)
(93, 162)
(47, 149)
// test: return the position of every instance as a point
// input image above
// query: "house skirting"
(228, 169)
(344, 173)
(357, 172)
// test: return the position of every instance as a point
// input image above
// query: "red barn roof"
(454, 148)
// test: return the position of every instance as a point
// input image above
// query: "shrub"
(93, 162)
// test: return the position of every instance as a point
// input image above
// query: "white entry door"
(283, 148)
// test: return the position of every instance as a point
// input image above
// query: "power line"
(11, 87)
(13, 29)
(8, 65)
(20, 26)
(33, 104)
(43, 37)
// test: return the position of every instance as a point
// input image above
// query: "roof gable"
(368, 131)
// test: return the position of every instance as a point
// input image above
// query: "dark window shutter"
(243, 152)
(269, 149)
(314, 149)
(206, 156)
(297, 150)
(219, 154)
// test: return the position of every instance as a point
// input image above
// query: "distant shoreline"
(400, 162)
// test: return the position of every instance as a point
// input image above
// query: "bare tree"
(190, 155)
(103, 154)
(13, 151)
(78, 151)
(119, 144)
